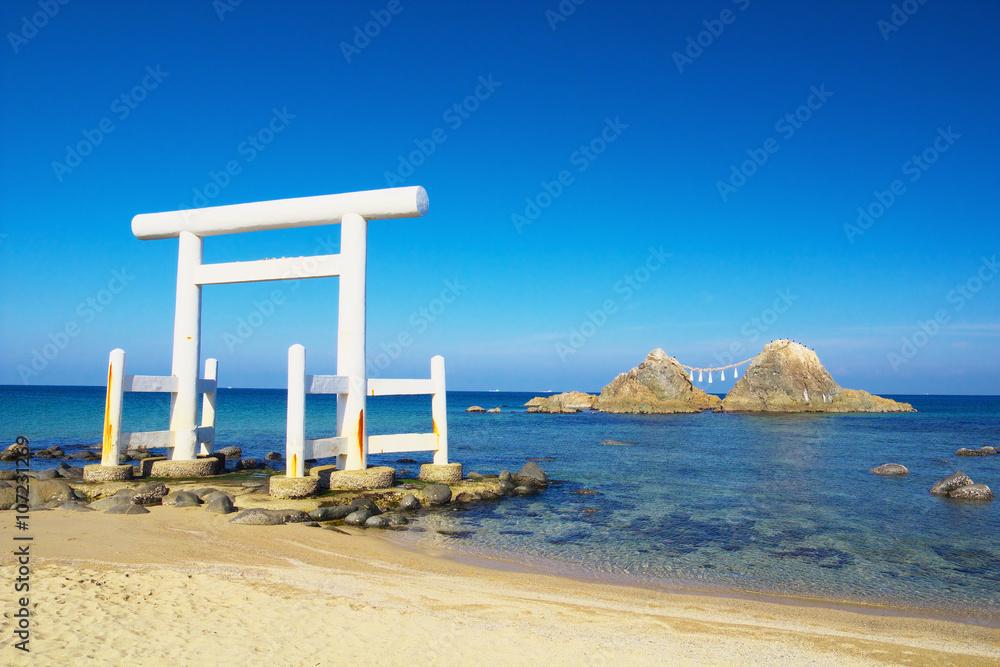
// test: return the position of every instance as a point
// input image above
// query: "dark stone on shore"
(231, 452)
(84, 456)
(366, 503)
(950, 483)
(69, 472)
(437, 494)
(358, 517)
(182, 499)
(531, 472)
(409, 502)
(150, 494)
(376, 522)
(311, 524)
(263, 517)
(248, 464)
(201, 493)
(334, 513)
(48, 473)
(138, 454)
(890, 469)
(273, 456)
(127, 509)
(505, 475)
(467, 497)
(219, 503)
(491, 475)
(405, 461)
(473, 475)
(506, 486)
(972, 492)
(74, 506)
(8, 498)
(490, 495)
(50, 490)
(109, 502)
(125, 493)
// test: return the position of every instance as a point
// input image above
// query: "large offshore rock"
(788, 377)
(657, 385)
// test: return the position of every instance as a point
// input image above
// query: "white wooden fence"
(119, 384)
(298, 448)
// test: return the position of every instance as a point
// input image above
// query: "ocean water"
(777, 505)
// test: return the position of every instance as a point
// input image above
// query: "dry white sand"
(185, 587)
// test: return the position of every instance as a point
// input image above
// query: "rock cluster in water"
(960, 486)
(785, 377)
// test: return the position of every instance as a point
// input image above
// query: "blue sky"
(602, 182)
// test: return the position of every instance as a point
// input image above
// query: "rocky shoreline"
(243, 490)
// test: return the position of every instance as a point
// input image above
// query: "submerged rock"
(263, 517)
(658, 385)
(531, 473)
(334, 513)
(890, 469)
(409, 502)
(788, 377)
(437, 494)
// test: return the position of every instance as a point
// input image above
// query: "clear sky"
(604, 178)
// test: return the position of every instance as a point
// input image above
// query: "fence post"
(295, 426)
(187, 347)
(351, 341)
(439, 410)
(111, 447)
(208, 404)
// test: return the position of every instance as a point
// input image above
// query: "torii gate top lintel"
(408, 202)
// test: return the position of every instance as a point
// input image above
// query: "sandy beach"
(186, 587)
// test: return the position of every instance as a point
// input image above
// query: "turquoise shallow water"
(777, 504)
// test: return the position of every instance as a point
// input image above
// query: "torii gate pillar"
(351, 341)
(187, 347)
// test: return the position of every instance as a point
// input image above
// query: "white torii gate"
(352, 210)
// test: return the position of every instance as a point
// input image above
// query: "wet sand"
(186, 587)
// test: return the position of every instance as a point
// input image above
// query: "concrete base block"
(323, 472)
(280, 486)
(146, 465)
(449, 473)
(193, 468)
(381, 477)
(221, 465)
(99, 473)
